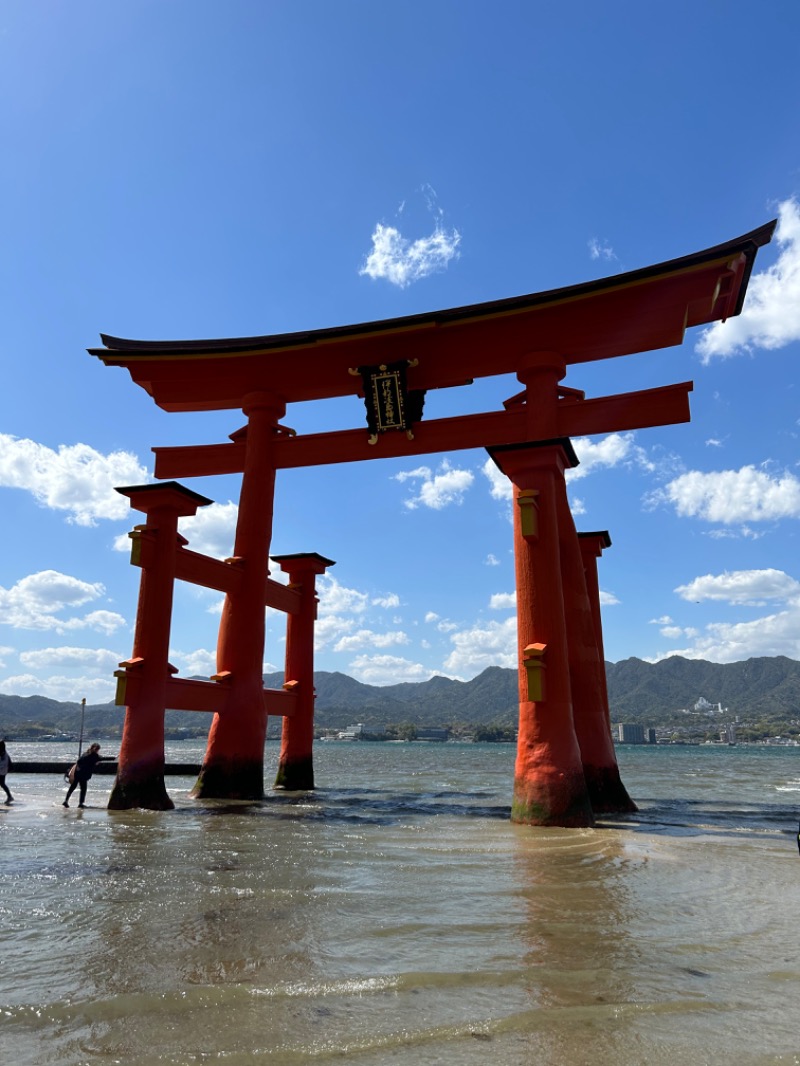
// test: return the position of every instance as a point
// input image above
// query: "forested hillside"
(657, 694)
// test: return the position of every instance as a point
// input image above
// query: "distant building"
(651, 736)
(431, 733)
(629, 733)
(353, 732)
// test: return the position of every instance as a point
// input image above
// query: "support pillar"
(587, 679)
(549, 785)
(142, 681)
(591, 547)
(233, 766)
(296, 762)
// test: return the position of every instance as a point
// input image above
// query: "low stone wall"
(174, 769)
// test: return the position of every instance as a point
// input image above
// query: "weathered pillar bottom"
(607, 793)
(231, 779)
(146, 792)
(558, 801)
(295, 775)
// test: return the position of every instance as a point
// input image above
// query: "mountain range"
(656, 694)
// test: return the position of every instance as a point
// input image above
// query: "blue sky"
(193, 169)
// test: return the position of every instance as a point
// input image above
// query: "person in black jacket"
(84, 768)
(5, 766)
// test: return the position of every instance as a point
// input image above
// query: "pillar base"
(607, 793)
(147, 793)
(295, 775)
(231, 779)
(560, 802)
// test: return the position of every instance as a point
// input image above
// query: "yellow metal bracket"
(528, 503)
(533, 661)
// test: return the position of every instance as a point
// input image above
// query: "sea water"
(397, 916)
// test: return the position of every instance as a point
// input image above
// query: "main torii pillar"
(233, 766)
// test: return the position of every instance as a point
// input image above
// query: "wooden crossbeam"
(668, 405)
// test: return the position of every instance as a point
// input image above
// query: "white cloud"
(503, 601)
(500, 487)
(4, 653)
(75, 478)
(57, 687)
(664, 620)
(494, 644)
(337, 599)
(339, 607)
(387, 670)
(437, 490)
(35, 601)
(722, 642)
(366, 638)
(614, 450)
(389, 601)
(98, 658)
(743, 533)
(401, 261)
(491, 560)
(750, 587)
(330, 628)
(611, 451)
(773, 634)
(212, 530)
(712, 442)
(771, 314)
(103, 621)
(431, 616)
(600, 249)
(446, 626)
(607, 599)
(732, 496)
(201, 662)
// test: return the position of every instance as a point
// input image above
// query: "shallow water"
(396, 916)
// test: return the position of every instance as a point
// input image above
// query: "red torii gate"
(566, 768)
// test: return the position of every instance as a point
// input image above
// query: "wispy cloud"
(400, 260)
(600, 249)
(771, 314)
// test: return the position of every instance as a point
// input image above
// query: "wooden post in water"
(296, 762)
(142, 680)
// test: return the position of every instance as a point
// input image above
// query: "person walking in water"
(84, 768)
(5, 766)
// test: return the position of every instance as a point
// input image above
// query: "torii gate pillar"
(549, 783)
(591, 548)
(296, 764)
(142, 683)
(588, 675)
(233, 767)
